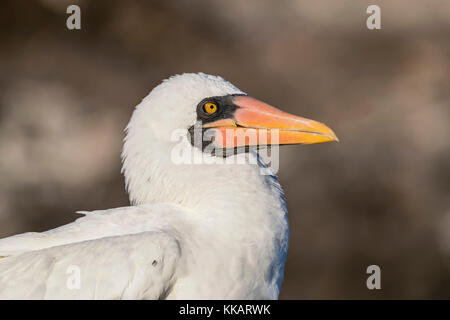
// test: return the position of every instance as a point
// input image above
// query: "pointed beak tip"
(334, 137)
(325, 131)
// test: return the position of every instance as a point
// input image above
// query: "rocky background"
(380, 196)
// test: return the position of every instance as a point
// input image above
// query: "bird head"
(209, 105)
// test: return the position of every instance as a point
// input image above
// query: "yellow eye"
(210, 107)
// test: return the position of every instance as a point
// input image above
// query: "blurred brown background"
(380, 196)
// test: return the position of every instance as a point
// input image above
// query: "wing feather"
(138, 266)
(123, 253)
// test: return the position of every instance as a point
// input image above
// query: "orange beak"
(256, 123)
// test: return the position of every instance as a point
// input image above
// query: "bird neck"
(226, 190)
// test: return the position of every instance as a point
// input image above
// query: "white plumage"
(194, 231)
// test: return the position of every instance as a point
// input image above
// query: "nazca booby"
(193, 231)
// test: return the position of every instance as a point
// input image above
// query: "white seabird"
(194, 230)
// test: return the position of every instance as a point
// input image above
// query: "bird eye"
(210, 107)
